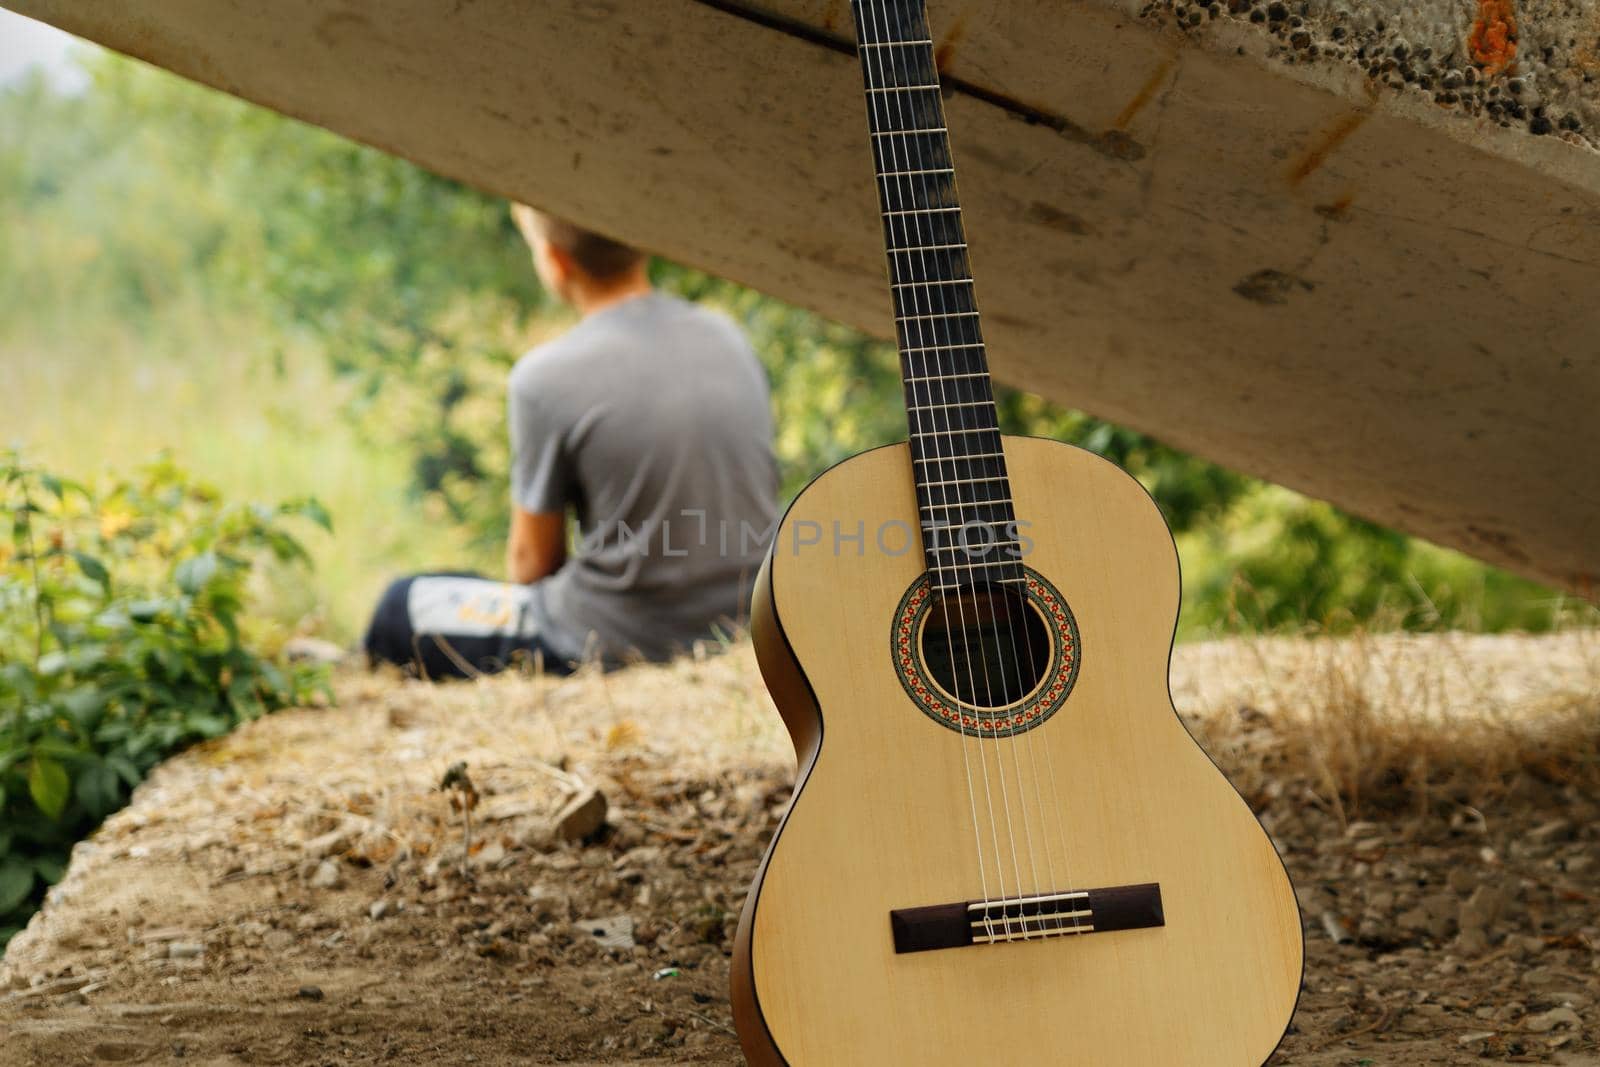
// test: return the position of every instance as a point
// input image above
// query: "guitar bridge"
(1027, 918)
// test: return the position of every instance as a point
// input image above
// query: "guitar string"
(983, 391)
(862, 11)
(923, 338)
(915, 29)
(927, 337)
(920, 29)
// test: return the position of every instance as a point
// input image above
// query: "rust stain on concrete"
(1146, 93)
(946, 50)
(1326, 144)
(1336, 210)
(1493, 40)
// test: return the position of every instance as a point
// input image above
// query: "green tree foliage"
(420, 291)
(121, 643)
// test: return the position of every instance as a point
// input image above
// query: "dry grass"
(1380, 723)
(1359, 726)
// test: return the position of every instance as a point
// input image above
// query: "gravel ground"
(304, 892)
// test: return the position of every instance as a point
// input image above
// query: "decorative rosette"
(1045, 699)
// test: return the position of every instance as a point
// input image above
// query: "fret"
(967, 481)
(945, 348)
(935, 528)
(934, 299)
(977, 565)
(964, 504)
(908, 232)
(951, 407)
(929, 248)
(904, 133)
(921, 211)
(949, 433)
(966, 395)
(977, 551)
(943, 378)
(922, 318)
(943, 363)
(893, 44)
(940, 331)
(922, 151)
(915, 173)
(905, 111)
(958, 459)
(909, 268)
(904, 89)
(929, 284)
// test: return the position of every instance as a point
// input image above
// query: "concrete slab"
(1348, 246)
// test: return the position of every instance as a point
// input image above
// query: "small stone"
(490, 854)
(583, 815)
(1441, 909)
(1416, 920)
(547, 903)
(1337, 932)
(378, 909)
(309, 992)
(1544, 1022)
(1539, 978)
(185, 950)
(328, 844)
(326, 876)
(1555, 829)
(1481, 909)
(1472, 941)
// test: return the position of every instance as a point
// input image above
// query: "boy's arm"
(537, 546)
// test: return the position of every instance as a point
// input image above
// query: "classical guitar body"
(1111, 785)
(1004, 847)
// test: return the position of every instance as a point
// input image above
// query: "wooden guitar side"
(882, 818)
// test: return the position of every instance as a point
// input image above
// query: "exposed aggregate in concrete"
(1533, 64)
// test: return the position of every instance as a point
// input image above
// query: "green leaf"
(195, 573)
(50, 868)
(93, 569)
(309, 508)
(206, 725)
(16, 882)
(125, 770)
(83, 706)
(49, 786)
(98, 790)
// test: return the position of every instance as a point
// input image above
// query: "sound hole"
(987, 647)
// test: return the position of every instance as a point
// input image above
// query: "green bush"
(122, 639)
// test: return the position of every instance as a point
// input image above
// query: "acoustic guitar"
(1004, 847)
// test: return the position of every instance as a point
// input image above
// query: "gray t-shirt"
(651, 418)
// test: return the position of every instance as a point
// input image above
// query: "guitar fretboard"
(969, 531)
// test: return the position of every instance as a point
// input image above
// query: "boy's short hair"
(599, 257)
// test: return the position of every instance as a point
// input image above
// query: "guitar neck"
(954, 430)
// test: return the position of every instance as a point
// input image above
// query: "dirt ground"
(295, 893)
